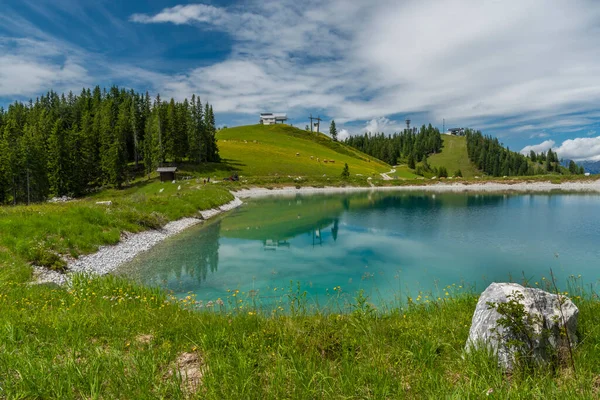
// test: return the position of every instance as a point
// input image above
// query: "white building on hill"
(272, 118)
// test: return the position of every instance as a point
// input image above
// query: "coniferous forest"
(494, 159)
(411, 145)
(488, 154)
(67, 145)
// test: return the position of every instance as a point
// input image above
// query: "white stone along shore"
(454, 187)
(108, 258)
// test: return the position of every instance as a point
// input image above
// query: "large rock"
(543, 313)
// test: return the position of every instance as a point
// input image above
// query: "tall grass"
(110, 338)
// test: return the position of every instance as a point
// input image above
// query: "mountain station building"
(272, 118)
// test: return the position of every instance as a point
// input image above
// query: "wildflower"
(251, 313)
(209, 304)
(220, 302)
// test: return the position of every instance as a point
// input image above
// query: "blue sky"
(525, 71)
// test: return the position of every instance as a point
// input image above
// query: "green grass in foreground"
(39, 233)
(108, 338)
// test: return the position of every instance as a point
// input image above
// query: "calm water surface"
(391, 244)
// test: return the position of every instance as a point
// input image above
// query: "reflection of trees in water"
(194, 255)
(434, 201)
(335, 229)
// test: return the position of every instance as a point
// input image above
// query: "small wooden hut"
(167, 173)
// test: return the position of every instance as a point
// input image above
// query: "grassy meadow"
(454, 157)
(267, 151)
(43, 234)
(109, 338)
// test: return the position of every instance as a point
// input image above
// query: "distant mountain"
(593, 167)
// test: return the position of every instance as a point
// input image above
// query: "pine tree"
(573, 168)
(532, 156)
(333, 131)
(118, 147)
(5, 170)
(549, 159)
(411, 161)
(195, 130)
(345, 171)
(57, 160)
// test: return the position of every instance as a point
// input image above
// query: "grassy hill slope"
(267, 151)
(454, 156)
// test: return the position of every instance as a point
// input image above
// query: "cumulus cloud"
(30, 67)
(377, 125)
(531, 62)
(343, 134)
(580, 149)
(539, 148)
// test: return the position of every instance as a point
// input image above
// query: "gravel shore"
(108, 258)
(456, 187)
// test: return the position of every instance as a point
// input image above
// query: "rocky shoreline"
(108, 258)
(455, 187)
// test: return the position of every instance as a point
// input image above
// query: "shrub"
(46, 258)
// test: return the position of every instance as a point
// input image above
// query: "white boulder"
(546, 314)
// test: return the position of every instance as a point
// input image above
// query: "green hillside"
(282, 150)
(454, 156)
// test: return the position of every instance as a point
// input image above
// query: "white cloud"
(538, 135)
(580, 149)
(377, 125)
(184, 15)
(538, 148)
(343, 134)
(29, 67)
(533, 60)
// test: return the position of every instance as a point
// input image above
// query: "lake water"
(391, 244)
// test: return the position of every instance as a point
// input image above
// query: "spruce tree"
(345, 171)
(333, 131)
(57, 160)
(411, 161)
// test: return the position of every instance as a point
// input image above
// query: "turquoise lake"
(391, 244)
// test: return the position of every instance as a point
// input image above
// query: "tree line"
(68, 144)
(410, 146)
(492, 158)
(551, 162)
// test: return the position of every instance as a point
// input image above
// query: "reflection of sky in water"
(386, 243)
